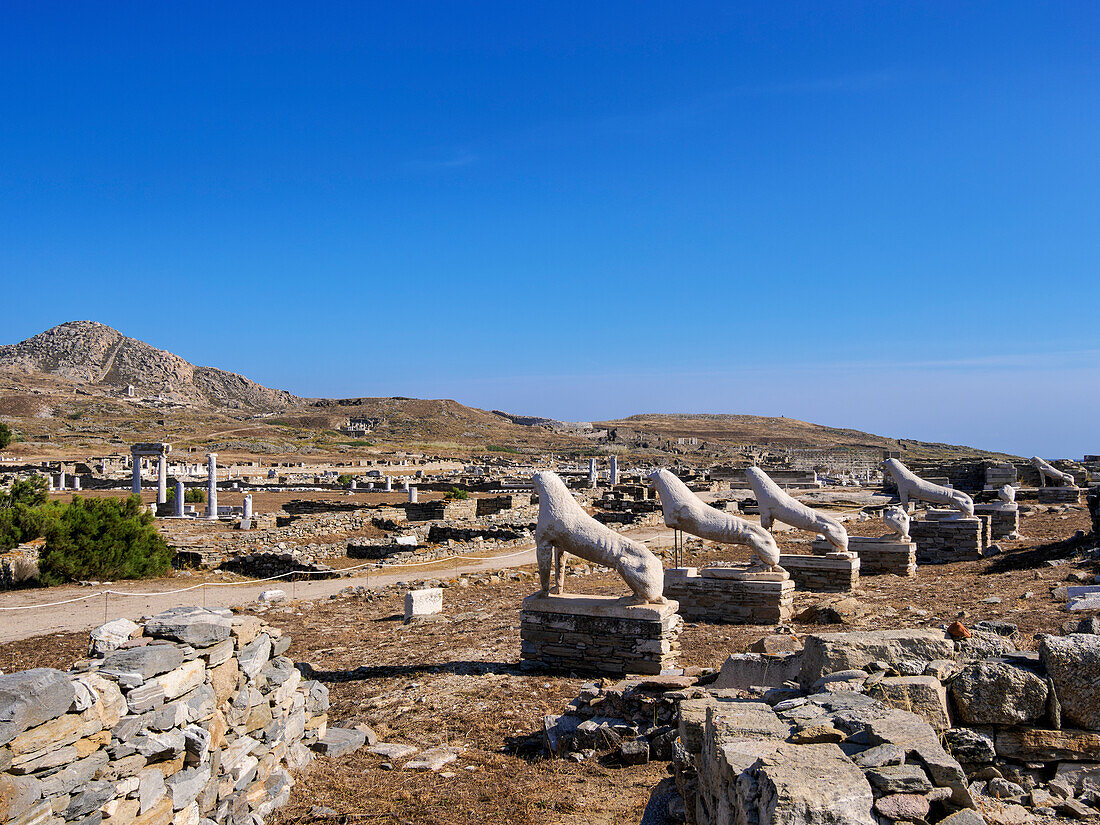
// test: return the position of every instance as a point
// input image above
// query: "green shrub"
(29, 491)
(6, 435)
(456, 494)
(100, 538)
(500, 448)
(191, 495)
(344, 479)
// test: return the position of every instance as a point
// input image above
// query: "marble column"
(178, 503)
(212, 486)
(247, 507)
(61, 481)
(614, 471)
(162, 478)
(389, 484)
(76, 482)
(137, 475)
(592, 472)
(412, 495)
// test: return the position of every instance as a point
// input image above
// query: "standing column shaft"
(137, 475)
(614, 471)
(162, 479)
(592, 472)
(247, 507)
(412, 495)
(179, 499)
(212, 485)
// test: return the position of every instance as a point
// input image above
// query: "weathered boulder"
(805, 785)
(109, 636)
(31, 697)
(829, 652)
(744, 670)
(1073, 663)
(969, 745)
(147, 661)
(923, 695)
(1041, 745)
(891, 779)
(998, 693)
(196, 626)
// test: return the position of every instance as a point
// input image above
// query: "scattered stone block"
(923, 695)
(826, 653)
(995, 692)
(434, 759)
(340, 741)
(422, 603)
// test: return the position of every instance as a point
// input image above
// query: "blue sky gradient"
(864, 214)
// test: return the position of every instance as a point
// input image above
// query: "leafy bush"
(100, 538)
(6, 435)
(29, 491)
(344, 479)
(191, 495)
(500, 448)
(456, 494)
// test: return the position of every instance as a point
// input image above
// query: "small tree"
(101, 538)
(6, 435)
(456, 493)
(28, 492)
(344, 479)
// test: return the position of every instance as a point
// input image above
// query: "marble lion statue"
(564, 527)
(776, 505)
(1007, 494)
(1047, 470)
(912, 486)
(683, 510)
(897, 520)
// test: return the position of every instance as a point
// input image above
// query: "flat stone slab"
(574, 604)
(743, 574)
(195, 626)
(340, 741)
(31, 697)
(392, 750)
(434, 758)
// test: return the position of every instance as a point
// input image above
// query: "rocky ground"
(456, 681)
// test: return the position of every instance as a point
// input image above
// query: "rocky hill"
(89, 353)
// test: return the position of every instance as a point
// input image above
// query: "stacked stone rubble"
(941, 540)
(879, 556)
(197, 716)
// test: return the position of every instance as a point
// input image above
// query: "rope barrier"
(376, 566)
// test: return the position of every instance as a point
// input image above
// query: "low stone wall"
(441, 510)
(266, 565)
(1004, 518)
(598, 634)
(822, 573)
(498, 504)
(946, 540)
(1059, 495)
(195, 715)
(709, 596)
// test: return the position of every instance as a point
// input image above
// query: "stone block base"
(879, 556)
(941, 540)
(711, 596)
(826, 572)
(599, 634)
(1004, 518)
(1059, 495)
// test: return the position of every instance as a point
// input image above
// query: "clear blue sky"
(883, 215)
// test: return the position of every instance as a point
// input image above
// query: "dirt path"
(92, 607)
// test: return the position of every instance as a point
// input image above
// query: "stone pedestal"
(1059, 495)
(1004, 518)
(729, 594)
(878, 556)
(828, 572)
(947, 539)
(598, 634)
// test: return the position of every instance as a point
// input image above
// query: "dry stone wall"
(194, 717)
